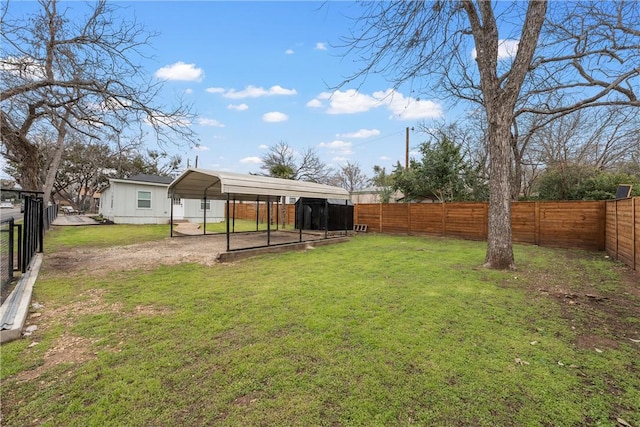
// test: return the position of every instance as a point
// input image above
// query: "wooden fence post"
(444, 221)
(409, 218)
(380, 218)
(355, 215)
(536, 219)
(616, 226)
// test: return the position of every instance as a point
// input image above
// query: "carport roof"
(201, 183)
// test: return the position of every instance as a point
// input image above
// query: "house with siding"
(143, 199)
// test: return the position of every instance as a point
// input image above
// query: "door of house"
(178, 209)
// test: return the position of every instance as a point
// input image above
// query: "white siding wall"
(119, 203)
(194, 213)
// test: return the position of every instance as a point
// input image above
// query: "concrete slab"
(187, 229)
(65, 220)
(297, 246)
(15, 309)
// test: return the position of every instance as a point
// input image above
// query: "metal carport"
(207, 184)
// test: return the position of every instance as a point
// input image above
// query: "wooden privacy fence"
(250, 210)
(567, 224)
(613, 225)
(623, 231)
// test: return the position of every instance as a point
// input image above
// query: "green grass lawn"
(382, 331)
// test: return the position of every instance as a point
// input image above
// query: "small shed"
(207, 184)
(324, 214)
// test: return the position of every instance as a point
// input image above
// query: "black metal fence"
(7, 245)
(20, 242)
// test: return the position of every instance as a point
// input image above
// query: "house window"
(204, 205)
(144, 199)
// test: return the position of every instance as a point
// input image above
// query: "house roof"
(201, 183)
(143, 177)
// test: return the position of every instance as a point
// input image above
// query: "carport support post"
(205, 216)
(277, 213)
(326, 218)
(228, 222)
(171, 219)
(346, 217)
(301, 216)
(268, 220)
(257, 213)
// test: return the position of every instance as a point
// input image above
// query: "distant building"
(372, 195)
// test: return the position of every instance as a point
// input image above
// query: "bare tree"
(282, 161)
(458, 48)
(85, 75)
(350, 177)
(84, 169)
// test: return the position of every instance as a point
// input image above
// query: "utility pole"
(406, 160)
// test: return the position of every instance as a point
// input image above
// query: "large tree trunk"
(30, 169)
(499, 245)
(516, 174)
(54, 164)
(20, 151)
(500, 94)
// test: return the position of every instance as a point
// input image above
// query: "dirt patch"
(144, 256)
(602, 316)
(169, 251)
(67, 349)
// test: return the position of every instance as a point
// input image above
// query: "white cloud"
(507, 48)
(214, 90)
(209, 122)
(274, 117)
(348, 102)
(339, 159)
(238, 107)
(253, 92)
(251, 160)
(201, 148)
(385, 158)
(351, 101)
(180, 71)
(411, 108)
(362, 133)
(315, 103)
(24, 67)
(188, 91)
(321, 46)
(338, 147)
(289, 52)
(263, 146)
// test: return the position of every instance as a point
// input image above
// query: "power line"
(381, 137)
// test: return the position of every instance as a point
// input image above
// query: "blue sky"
(258, 73)
(262, 72)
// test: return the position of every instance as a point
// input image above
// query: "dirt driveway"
(168, 251)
